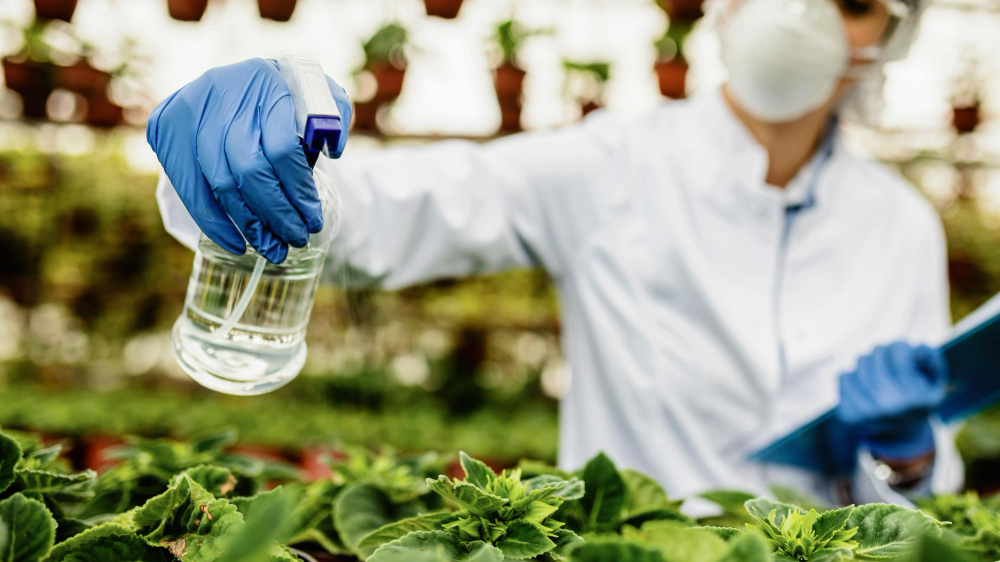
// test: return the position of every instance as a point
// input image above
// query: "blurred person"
(722, 262)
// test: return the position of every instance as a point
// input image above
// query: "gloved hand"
(227, 142)
(888, 399)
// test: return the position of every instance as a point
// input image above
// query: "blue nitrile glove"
(888, 399)
(227, 141)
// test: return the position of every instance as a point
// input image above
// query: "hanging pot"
(55, 9)
(187, 10)
(82, 78)
(508, 80)
(682, 9)
(277, 10)
(447, 9)
(672, 76)
(103, 113)
(965, 119)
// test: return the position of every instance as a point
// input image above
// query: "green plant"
(499, 516)
(386, 46)
(670, 45)
(509, 37)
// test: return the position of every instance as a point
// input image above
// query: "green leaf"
(484, 553)
(888, 531)
(605, 493)
(731, 501)
(645, 494)
(639, 519)
(616, 550)
(467, 496)
(747, 547)
(392, 531)
(72, 487)
(259, 538)
(436, 546)
(10, 454)
(102, 540)
(725, 533)
(359, 510)
(216, 480)
(680, 543)
(565, 541)
(760, 509)
(829, 522)
(930, 548)
(476, 471)
(214, 441)
(549, 486)
(27, 529)
(524, 540)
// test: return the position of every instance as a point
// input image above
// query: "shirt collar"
(745, 161)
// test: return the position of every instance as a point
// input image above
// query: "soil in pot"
(965, 119)
(447, 9)
(187, 10)
(55, 9)
(277, 10)
(671, 76)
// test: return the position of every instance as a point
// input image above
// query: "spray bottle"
(244, 322)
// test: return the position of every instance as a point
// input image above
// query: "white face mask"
(785, 57)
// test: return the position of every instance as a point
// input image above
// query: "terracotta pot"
(682, 9)
(82, 78)
(312, 463)
(93, 452)
(103, 113)
(389, 80)
(509, 83)
(589, 107)
(277, 10)
(32, 81)
(965, 119)
(26, 75)
(364, 116)
(447, 9)
(187, 10)
(671, 76)
(55, 9)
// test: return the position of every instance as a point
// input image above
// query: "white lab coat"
(701, 319)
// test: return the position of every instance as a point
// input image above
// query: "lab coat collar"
(742, 162)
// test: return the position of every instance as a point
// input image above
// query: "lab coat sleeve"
(413, 214)
(930, 323)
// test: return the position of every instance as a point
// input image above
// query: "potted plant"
(671, 66)
(586, 81)
(447, 9)
(277, 10)
(508, 77)
(682, 9)
(30, 71)
(55, 9)
(187, 10)
(385, 61)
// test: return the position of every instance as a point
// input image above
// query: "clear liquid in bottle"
(266, 348)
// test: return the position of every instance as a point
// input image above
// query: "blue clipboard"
(973, 355)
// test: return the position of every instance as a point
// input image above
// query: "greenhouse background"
(90, 283)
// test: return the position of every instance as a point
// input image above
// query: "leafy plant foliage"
(196, 502)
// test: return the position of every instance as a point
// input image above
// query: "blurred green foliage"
(95, 284)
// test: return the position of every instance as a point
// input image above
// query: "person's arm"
(228, 147)
(459, 208)
(924, 457)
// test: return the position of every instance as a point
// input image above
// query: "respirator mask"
(786, 58)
